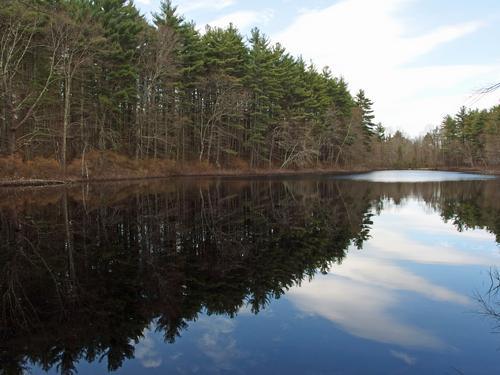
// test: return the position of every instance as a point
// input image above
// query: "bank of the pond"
(109, 166)
(226, 173)
(485, 170)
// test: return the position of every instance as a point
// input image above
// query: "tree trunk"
(67, 110)
(12, 140)
(69, 243)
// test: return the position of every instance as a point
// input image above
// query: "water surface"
(313, 275)
(417, 176)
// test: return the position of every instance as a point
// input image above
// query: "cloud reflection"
(217, 341)
(363, 294)
(145, 350)
(406, 358)
(386, 275)
(361, 309)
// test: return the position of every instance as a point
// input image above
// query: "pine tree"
(367, 124)
(122, 24)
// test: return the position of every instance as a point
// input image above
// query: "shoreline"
(40, 182)
(489, 172)
(264, 173)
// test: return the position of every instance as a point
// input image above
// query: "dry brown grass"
(14, 167)
(238, 164)
(109, 165)
(97, 166)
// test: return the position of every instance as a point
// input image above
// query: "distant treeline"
(471, 138)
(79, 76)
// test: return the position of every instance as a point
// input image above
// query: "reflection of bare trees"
(489, 302)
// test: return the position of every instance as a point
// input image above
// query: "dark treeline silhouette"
(85, 270)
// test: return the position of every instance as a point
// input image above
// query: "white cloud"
(366, 42)
(244, 19)
(197, 5)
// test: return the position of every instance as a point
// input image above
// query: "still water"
(383, 273)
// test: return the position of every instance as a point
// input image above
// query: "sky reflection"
(364, 293)
(417, 176)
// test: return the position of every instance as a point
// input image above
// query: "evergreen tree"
(117, 91)
(368, 126)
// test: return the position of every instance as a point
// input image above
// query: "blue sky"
(417, 59)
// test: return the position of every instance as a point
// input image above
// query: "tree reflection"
(489, 302)
(85, 270)
(82, 278)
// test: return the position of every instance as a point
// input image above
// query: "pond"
(381, 273)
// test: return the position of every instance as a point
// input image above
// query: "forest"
(90, 87)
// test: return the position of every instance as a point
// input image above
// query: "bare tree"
(160, 72)
(74, 41)
(20, 97)
(490, 88)
(223, 94)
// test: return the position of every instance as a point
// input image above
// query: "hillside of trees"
(90, 83)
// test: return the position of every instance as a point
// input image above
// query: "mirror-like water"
(417, 176)
(314, 275)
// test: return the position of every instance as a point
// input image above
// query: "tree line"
(84, 75)
(469, 138)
